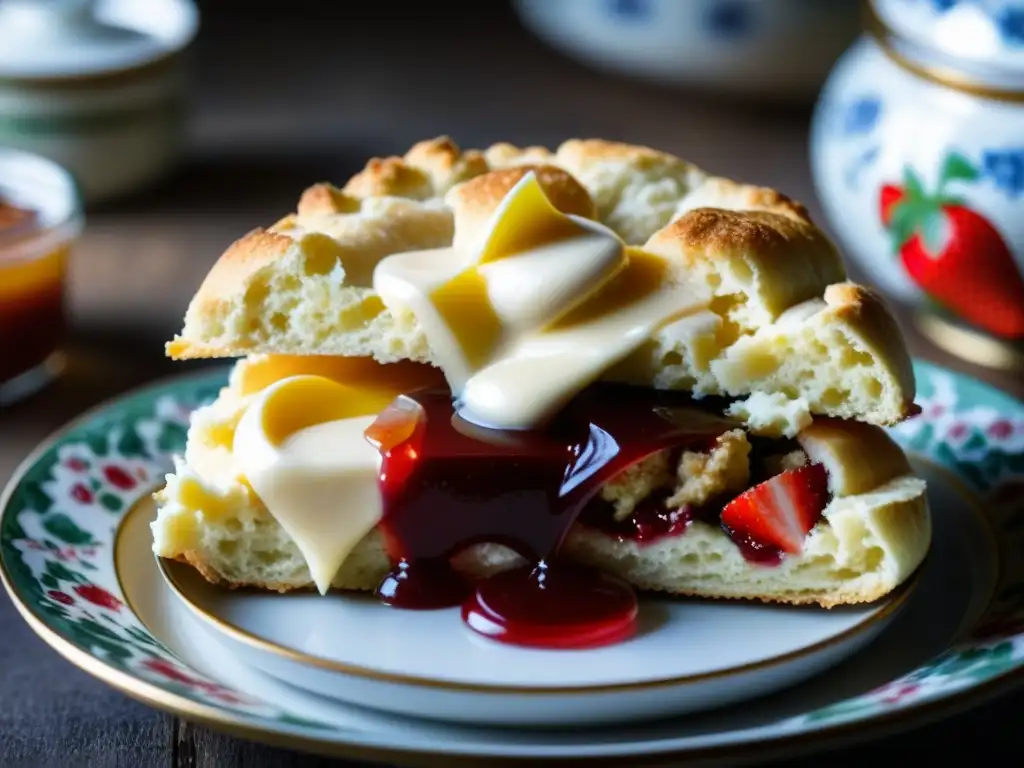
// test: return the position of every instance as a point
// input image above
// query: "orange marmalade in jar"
(40, 217)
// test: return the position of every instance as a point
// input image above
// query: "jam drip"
(447, 483)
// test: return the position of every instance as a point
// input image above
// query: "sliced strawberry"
(780, 512)
(889, 197)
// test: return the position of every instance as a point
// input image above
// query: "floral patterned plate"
(75, 559)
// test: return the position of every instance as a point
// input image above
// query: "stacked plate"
(345, 675)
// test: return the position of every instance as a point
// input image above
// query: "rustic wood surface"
(284, 100)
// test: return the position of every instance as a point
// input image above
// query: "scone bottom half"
(531, 382)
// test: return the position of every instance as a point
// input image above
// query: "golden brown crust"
(445, 163)
(746, 197)
(770, 235)
(390, 177)
(503, 154)
(784, 259)
(324, 198)
(858, 307)
(580, 153)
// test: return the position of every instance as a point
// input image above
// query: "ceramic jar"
(98, 86)
(917, 149)
(781, 49)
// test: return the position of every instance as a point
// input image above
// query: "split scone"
(657, 373)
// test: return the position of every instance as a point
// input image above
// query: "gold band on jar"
(969, 344)
(949, 77)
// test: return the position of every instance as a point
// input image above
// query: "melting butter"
(539, 311)
(301, 446)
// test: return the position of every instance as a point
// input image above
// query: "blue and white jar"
(777, 49)
(917, 148)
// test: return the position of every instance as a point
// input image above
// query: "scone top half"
(784, 331)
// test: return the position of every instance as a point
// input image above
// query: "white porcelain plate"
(686, 656)
(75, 557)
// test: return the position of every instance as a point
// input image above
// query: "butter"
(256, 373)
(301, 447)
(541, 309)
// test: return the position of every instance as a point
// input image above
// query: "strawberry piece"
(889, 197)
(778, 513)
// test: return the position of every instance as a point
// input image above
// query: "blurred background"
(280, 96)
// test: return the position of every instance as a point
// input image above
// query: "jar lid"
(984, 39)
(44, 39)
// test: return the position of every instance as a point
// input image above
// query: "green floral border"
(59, 525)
(60, 519)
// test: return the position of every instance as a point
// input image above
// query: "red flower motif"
(76, 465)
(171, 672)
(1000, 429)
(61, 597)
(119, 478)
(168, 670)
(227, 697)
(99, 596)
(935, 410)
(81, 494)
(958, 431)
(898, 692)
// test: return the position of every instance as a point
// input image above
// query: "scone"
(620, 361)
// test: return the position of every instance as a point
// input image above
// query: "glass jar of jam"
(40, 217)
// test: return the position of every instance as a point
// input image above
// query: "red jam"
(553, 606)
(447, 484)
(651, 520)
(754, 551)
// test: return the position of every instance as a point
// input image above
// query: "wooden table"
(284, 100)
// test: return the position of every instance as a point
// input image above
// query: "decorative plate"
(79, 568)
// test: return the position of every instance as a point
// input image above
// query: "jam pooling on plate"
(447, 483)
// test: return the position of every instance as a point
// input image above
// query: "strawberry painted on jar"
(917, 148)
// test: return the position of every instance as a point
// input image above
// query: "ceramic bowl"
(116, 130)
(780, 50)
(919, 163)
